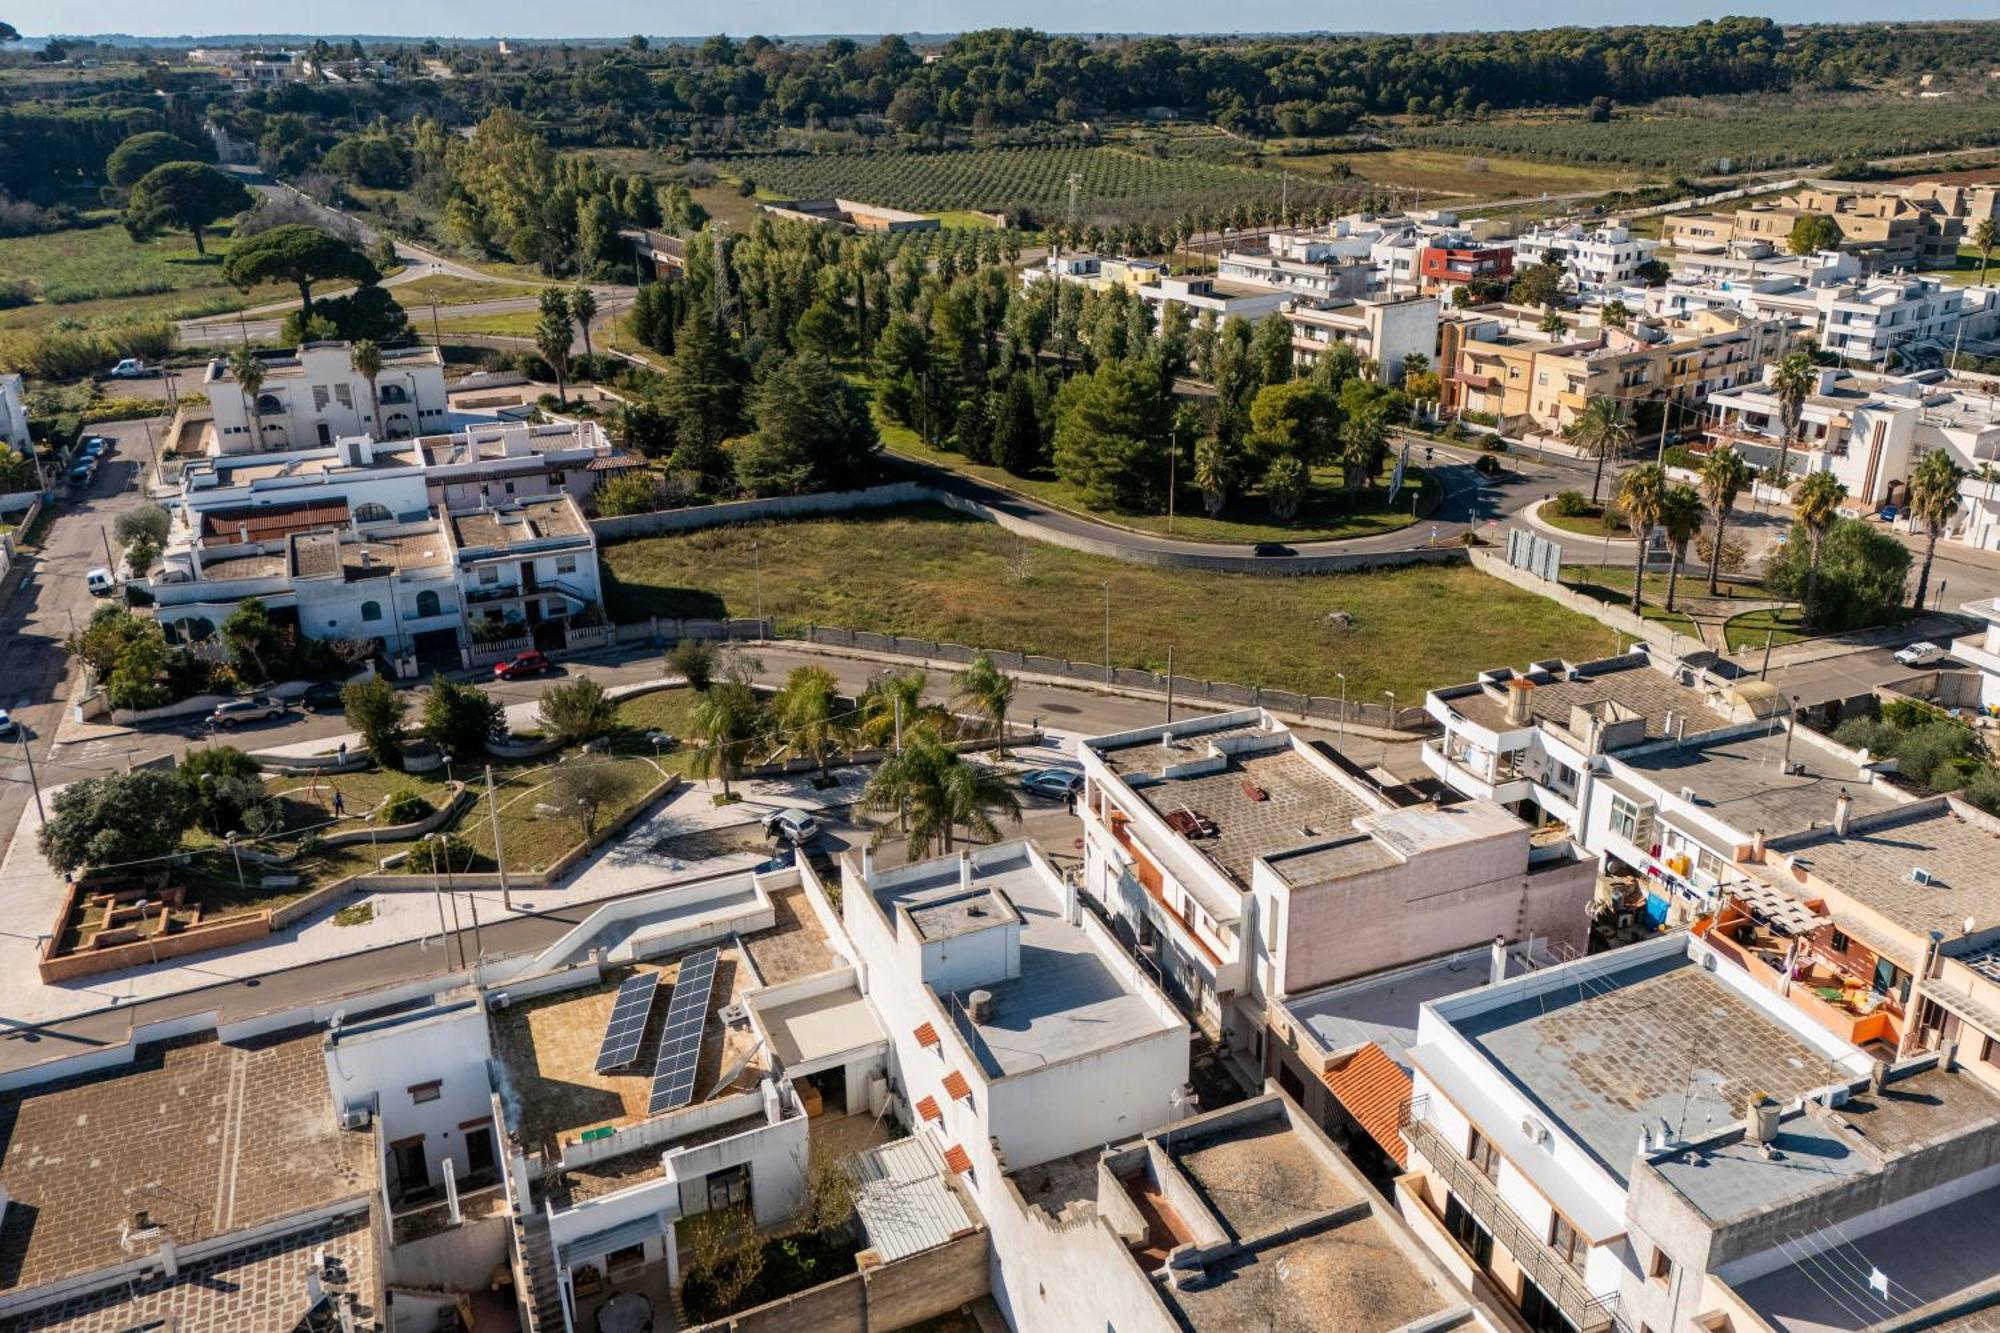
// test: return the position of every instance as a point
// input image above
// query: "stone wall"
(877, 1300)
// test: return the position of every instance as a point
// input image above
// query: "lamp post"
(1341, 676)
(236, 852)
(1107, 631)
(437, 892)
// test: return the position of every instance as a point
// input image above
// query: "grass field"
(1434, 171)
(99, 274)
(508, 323)
(1783, 623)
(1596, 522)
(935, 574)
(447, 290)
(1612, 584)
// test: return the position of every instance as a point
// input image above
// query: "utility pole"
(110, 561)
(499, 856)
(1765, 670)
(33, 781)
(1173, 458)
(437, 337)
(757, 562)
(1107, 631)
(1342, 741)
(1170, 682)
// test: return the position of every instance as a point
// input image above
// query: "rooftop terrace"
(1742, 780)
(1956, 845)
(1384, 1008)
(1632, 683)
(207, 1138)
(520, 523)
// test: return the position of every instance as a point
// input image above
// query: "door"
(528, 575)
(413, 1170)
(479, 1151)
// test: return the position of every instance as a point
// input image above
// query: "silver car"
(256, 708)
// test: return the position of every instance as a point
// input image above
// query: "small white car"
(794, 826)
(1920, 654)
(100, 582)
(131, 368)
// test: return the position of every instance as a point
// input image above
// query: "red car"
(525, 664)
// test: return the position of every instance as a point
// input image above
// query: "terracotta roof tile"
(1374, 1090)
(957, 1159)
(956, 1086)
(927, 1035)
(268, 522)
(928, 1108)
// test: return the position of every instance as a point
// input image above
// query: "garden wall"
(1617, 617)
(757, 511)
(221, 933)
(876, 1300)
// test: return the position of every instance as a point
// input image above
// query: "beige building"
(1886, 229)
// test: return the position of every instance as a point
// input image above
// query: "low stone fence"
(436, 819)
(1617, 617)
(668, 630)
(875, 1299)
(1191, 689)
(695, 517)
(223, 932)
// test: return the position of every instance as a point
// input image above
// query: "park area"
(936, 574)
(97, 274)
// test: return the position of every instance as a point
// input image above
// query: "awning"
(596, 1244)
(1777, 907)
(1374, 1089)
(904, 1200)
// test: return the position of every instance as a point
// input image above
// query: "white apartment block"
(1895, 318)
(1320, 280)
(1593, 258)
(313, 397)
(1981, 650)
(1247, 866)
(1651, 1139)
(1222, 298)
(1383, 331)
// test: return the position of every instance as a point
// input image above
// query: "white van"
(100, 582)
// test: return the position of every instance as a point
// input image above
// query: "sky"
(611, 18)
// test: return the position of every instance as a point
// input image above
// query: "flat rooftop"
(208, 1138)
(1658, 1040)
(1742, 781)
(1938, 1255)
(1632, 683)
(1067, 1001)
(252, 565)
(254, 523)
(1383, 1008)
(548, 1047)
(1958, 845)
(1393, 837)
(519, 523)
(326, 554)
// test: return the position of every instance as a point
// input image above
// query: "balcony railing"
(1560, 1280)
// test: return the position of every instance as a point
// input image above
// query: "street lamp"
(236, 852)
(1341, 676)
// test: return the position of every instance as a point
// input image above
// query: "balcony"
(1559, 1279)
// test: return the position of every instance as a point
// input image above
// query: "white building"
(1981, 651)
(1594, 258)
(13, 415)
(1223, 298)
(1383, 331)
(313, 397)
(1879, 321)
(1019, 1031)
(1312, 279)
(1650, 1139)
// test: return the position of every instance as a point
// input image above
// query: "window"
(566, 564)
(1468, 1231)
(1484, 1156)
(1631, 821)
(427, 603)
(1662, 1269)
(489, 575)
(319, 397)
(1565, 1242)
(370, 512)
(510, 488)
(427, 1092)
(729, 1189)
(371, 610)
(344, 395)
(1837, 942)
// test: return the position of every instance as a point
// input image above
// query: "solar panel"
(627, 1025)
(680, 1038)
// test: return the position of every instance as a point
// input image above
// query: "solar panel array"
(680, 1039)
(628, 1022)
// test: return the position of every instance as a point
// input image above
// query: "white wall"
(1052, 1278)
(1116, 1094)
(451, 1048)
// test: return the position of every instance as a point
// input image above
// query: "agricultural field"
(942, 575)
(1433, 172)
(1696, 136)
(97, 274)
(1113, 182)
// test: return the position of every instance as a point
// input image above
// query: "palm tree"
(1817, 500)
(583, 309)
(1932, 500)
(1983, 240)
(988, 690)
(366, 359)
(1364, 438)
(1724, 474)
(807, 712)
(1791, 382)
(1681, 513)
(725, 718)
(248, 371)
(1642, 494)
(894, 696)
(938, 791)
(1212, 473)
(1602, 431)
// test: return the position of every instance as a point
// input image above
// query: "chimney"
(1757, 846)
(964, 871)
(979, 1006)
(1878, 1074)
(1843, 809)
(1519, 714)
(367, 558)
(243, 533)
(1761, 1125)
(1497, 955)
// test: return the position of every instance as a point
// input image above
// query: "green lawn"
(1593, 522)
(533, 840)
(935, 574)
(448, 290)
(1747, 631)
(1613, 584)
(1327, 512)
(509, 324)
(98, 274)
(1435, 171)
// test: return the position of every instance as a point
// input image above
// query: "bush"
(116, 820)
(1569, 504)
(376, 711)
(576, 711)
(631, 493)
(405, 806)
(434, 855)
(694, 661)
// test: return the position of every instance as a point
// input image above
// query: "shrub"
(405, 806)
(694, 661)
(376, 711)
(433, 855)
(576, 711)
(1569, 504)
(116, 820)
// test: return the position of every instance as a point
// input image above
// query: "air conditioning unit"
(1921, 875)
(355, 1117)
(732, 1014)
(498, 1000)
(1536, 1132)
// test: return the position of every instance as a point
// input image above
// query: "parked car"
(1272, 548)
(83, 473)
(94, 446)
(1889, 513)
(1058, 784)
(101, 582)
(1922, 653)
(256, 708)
(9, 728)
(794, 826)
(323, 697)
(131, 368)
(523, 664)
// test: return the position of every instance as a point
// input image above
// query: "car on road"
(1921, 653)
(131, 368)
(1058, 784)
(9, 728)
(92, 447)
(1272, 548)
(523, 664)
(256, 708)
(794, 826)
(101, 582)
(83, 473)
(325, 697)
